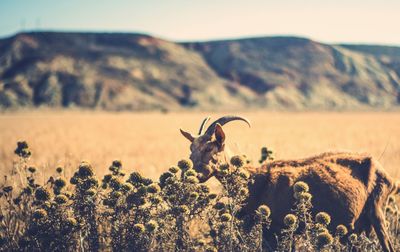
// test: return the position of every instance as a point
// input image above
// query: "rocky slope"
(139, 72)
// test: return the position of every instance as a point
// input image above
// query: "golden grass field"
(151, 142)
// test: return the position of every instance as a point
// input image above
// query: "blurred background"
(101, 80)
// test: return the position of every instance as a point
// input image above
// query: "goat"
(353, 188)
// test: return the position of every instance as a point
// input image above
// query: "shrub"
(134, 213)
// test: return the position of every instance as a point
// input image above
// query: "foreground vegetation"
(129, 212)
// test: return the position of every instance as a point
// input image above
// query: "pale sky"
(330, 21)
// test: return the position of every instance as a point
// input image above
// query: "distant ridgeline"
(116, 71)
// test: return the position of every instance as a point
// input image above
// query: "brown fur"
(352, 188)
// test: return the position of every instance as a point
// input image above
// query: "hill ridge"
(135, 71)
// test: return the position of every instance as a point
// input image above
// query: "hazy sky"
(355, 21)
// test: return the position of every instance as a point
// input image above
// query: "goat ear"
(187, 135)
(219, 135)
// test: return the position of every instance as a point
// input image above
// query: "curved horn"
(203, 124)
(222, 121)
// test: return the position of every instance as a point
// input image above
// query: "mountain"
(117, 71)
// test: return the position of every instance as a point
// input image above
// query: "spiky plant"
(85, 206)
(176, 213)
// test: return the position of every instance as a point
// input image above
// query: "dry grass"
(151, 142)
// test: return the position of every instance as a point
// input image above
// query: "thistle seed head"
(60, 182)
(264, 210)
(42, 194)
(185, 164)
(153, 188)
(85, 170)
(151, 226)
(238, 161)
(300, 187)
(61, 199)
(341, 230)
(138, 228)
(324, 239)
(39, 214)
(323, 218)
(290, 220)
(226, 217)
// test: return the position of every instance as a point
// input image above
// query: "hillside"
(139, 72)
(387, 55)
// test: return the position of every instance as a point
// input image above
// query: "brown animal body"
(352, 188)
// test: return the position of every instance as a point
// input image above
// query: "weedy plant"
(85, 206)
(226, 230)
(176, 213)
(266, 155)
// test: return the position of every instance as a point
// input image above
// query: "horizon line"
(179, 41)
